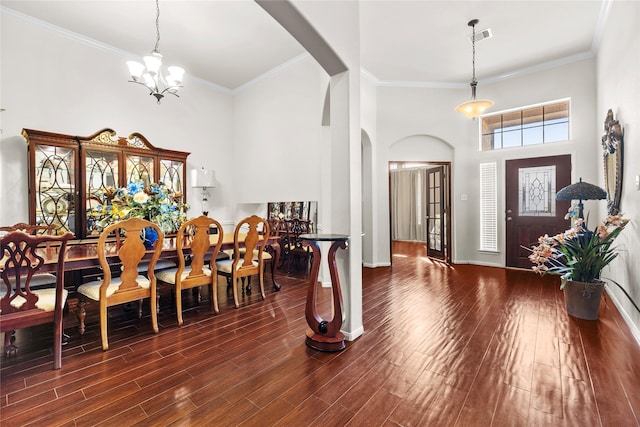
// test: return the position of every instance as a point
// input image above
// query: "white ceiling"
(230, 43)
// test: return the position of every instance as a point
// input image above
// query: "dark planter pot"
(583, 299)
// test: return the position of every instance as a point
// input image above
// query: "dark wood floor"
(443, 346)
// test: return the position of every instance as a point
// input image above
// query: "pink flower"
(602, 231)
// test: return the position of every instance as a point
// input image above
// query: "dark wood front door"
(531, 206)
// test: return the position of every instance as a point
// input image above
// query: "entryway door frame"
(445, 202)
(524, 221)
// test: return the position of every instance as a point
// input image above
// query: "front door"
(531, 206)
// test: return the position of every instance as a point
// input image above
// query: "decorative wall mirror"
(288, 210)
(612, 145)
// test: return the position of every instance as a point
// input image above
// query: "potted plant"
(579, 255)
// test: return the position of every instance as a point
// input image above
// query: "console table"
(323, 334)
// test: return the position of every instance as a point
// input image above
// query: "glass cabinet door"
(171, 174)
(101, 172)
(139, 168)
(55, 188)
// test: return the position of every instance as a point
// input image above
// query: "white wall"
(618, 66)
(405, 112)
(279, 119)
(53, 82)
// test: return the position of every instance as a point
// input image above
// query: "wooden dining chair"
(294, 249)
(39, 279)
(276, 227)
(249, 242)
(194, 235)
(130, 286)
(271, 256)
(21, 306)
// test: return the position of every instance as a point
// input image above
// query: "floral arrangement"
(155, 202)
(578, 254)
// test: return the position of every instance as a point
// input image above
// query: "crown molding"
(364, 73)
(539, 67)
(87, 41)
(493, 79)
(271, 72)
(65, 33)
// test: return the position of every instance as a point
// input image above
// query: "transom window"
(527, 126)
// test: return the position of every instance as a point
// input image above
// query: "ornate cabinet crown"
(68, 174)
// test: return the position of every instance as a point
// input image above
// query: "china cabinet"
(67, 174)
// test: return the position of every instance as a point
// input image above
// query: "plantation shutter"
(488, 207)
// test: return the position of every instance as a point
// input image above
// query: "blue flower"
(120, 193)
(135, 187)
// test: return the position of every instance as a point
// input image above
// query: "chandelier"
(150, 75)
(475, 107)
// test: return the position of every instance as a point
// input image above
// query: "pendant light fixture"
(475, 107)
(150, 75)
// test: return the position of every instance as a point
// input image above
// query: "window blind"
(488, 207)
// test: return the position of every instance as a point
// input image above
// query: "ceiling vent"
(481, 35)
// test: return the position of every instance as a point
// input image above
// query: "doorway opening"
(420, 206)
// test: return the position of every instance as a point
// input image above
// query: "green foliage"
(578, 254)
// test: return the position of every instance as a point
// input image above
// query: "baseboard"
(377, 264)
(484, 264)
(350, 336)
(627, 319)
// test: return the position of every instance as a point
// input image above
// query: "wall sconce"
(203, 179)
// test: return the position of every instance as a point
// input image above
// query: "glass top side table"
(324, 335)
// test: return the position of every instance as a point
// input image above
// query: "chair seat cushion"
(305, 248)
(46, 299)
(42, 279)
(162, 264)
(39, 280)
(229, 252)
(169, 276)
(265, 254)
(226, 265)
(92, 289)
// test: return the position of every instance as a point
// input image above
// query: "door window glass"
(536, 191)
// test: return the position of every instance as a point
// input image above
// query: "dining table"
(83, 254)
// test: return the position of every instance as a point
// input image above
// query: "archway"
(368, 212)
(425, 211)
